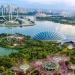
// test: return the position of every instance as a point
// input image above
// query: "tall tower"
(17, 11)
(10, 10)
(2, 10)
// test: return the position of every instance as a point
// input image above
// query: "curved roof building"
(49, 35)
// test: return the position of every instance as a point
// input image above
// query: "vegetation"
(58, 19)
(30, 50)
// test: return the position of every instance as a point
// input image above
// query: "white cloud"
(43, 1)
(67, 2)
(70, 2)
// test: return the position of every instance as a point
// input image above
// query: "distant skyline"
(43, 4)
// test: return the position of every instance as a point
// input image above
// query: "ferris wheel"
(10, 9)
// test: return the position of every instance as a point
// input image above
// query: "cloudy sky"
(46, 4)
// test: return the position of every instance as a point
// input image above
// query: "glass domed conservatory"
(49, 35)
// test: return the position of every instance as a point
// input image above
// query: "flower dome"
(49, 35)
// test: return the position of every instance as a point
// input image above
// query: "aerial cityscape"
(37, 37)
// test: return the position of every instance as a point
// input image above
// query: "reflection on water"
(6, 51)
(67, 30)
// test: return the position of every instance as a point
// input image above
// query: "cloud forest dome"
(49, 35)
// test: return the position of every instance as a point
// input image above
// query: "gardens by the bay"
(36, 57)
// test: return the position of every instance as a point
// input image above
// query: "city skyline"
(43, 4)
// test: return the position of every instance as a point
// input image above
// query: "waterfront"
(37, 37)
(67, 30)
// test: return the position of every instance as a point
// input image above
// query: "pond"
(6, 51)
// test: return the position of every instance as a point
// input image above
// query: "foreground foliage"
(30, 50)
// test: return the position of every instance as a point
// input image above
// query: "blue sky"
(46, 4)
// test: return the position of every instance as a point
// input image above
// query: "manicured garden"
(30, 50)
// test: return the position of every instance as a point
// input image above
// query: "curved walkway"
(33, 71)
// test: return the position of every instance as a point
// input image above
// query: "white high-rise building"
(8, 8)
